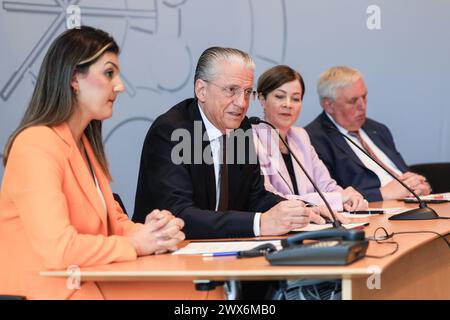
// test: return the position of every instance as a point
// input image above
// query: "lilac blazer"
(276, 175)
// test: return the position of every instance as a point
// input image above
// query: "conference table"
(419, 269)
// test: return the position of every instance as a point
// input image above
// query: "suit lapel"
(206, 169)
(81, 171)
(376, 137)
(340, 142)
(103, 183)
(300, 177)
(210, 177)
(270, 141)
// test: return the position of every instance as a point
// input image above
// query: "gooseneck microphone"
(336, 223)
(422, 213)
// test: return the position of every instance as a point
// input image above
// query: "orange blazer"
(52, 217)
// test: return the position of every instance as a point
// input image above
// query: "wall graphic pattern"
(162, 39)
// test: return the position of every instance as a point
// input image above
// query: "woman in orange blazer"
(56, 206)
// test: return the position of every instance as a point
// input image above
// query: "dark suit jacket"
(343, 164)
(188, 189)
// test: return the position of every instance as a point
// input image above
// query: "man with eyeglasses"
(199, 161)
(343, 96)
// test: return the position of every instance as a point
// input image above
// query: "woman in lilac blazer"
(280, 92)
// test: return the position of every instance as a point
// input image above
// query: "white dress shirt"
(214, 135)
(384, 177)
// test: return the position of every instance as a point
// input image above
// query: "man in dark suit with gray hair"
(343, 97)
(215, 198)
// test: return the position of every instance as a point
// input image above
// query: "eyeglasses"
(234, 91)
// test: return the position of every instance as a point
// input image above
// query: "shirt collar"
(340, 128)
(211, 130)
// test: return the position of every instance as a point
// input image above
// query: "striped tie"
(366, 147)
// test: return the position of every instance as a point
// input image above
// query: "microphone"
(422, 213)
(336, 223)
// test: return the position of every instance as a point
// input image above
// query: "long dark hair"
(53, 100)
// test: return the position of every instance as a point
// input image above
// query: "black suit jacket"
(188, 189)
(343, 164)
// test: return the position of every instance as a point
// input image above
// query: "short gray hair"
(207, 63)
(335, 78)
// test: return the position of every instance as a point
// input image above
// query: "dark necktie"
(366, 147)
(223, 201)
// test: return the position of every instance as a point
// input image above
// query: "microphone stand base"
(416, 214)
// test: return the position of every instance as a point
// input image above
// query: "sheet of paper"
(223, 246)
(434, 196)
(395, 210)
(317, 227)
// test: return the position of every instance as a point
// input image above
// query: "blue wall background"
(406, 63)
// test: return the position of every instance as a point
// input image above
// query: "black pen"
(259, 251)
(251, 253)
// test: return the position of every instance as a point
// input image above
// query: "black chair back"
(437, 174)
